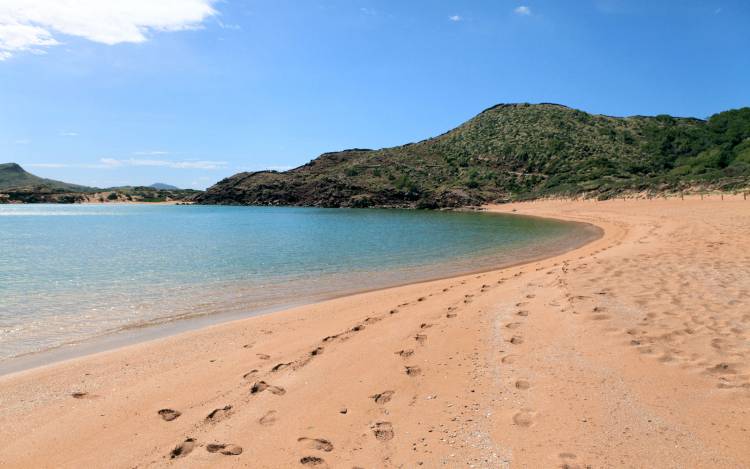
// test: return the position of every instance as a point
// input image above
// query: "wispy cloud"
(231, 26)
(68, 134)
(151, 153)
(22, 141)
(33, 25)
(522, 10)
(368, 11)
(455, 18)
(113, 163)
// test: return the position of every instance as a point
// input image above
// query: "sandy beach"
(631, 351)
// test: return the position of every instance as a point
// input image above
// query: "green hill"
(513, 151)
(19, 186)
(14, 178)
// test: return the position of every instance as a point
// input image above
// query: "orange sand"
(629, 352)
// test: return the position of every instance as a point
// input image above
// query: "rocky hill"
(513, 151)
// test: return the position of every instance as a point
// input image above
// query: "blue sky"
(112, 92)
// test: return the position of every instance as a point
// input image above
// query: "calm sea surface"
(69, 273)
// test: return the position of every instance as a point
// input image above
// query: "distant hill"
(14, 177)
(161, 185)
(514, 151)
(20, 186)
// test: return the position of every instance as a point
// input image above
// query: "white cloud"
(151, 153)
(455, 18)
(224, 25)
(523, 10)
(22, 141)
(68, 134)
(31, 25)
(114, 163)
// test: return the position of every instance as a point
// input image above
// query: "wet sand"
(629, 352)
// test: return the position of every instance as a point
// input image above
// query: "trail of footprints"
(677, 313)
(524, 418)
(382, 430)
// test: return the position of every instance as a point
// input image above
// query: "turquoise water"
(69, 273)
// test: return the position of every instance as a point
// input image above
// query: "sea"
(72, 275)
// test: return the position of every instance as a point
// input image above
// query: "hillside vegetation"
(514, 151)
(13, 176)
(19, 186)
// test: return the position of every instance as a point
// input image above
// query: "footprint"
(522, 384)
(280, 366)
(425, 325)
(413, 370)
(406, 353)
(249, 374)
(383, 431)
(268, 419)
(513, 325)
(317, 443)
(261, 386)
(567, 461)
(723, 368)
(450, 315)
(169, 414)
(524, 418)
(383, 397)
(522, 313)
(183, 449)
(312, 461)
(516, 340)
(316, 352)
(263, 356)
(330, 337)
(509, 359)
(82, 395)
(420, 338)
(218, 414)
(600, 317)
(225, 449)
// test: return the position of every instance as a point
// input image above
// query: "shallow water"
(69, 273)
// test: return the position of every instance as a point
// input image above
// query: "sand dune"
(629, 352)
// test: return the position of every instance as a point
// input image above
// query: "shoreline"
(630, 349)
(127, 336)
